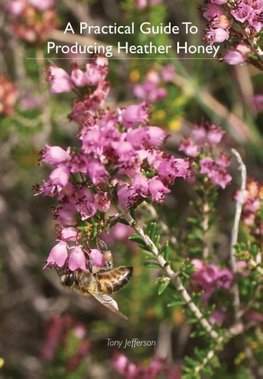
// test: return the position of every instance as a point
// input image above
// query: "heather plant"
(239, 25)
(120, 173)
(137, 160)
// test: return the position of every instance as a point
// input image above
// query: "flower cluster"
(209, 278)
(32, 20)
(238, 22)
(59, 332)
(118, 165)
(8, 96)
(201, 145)
(252, 208)
(151, 89)
(157, 366)
(141, 4)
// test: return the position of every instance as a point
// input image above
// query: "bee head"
(67, 279)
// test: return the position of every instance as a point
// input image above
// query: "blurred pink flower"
(96, 257)
(189, 147)
(214, 134)
(43, 4)
(209, 278)
(141, 4)
(258, 102)
(234, 57)
(157, 366)
(59, 79)
(168, 73)
(54, 334)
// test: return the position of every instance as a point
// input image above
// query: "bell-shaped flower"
(77, 259)
(58, 255)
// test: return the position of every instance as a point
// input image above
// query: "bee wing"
(109, 303)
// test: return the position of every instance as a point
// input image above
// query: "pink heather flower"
(85, 204)
(215, 172)
(124, 150)
(58, 255)
(131, 371)
(188, 147)
(155, 136)
(77, 259)
(96, 258)
(126, 197)
(233, 57)
(120, 363)
(170, 168)
(102, 202)
(198, 134)
(69, 234)
(209, 278)
(168, 73)
(255, 22)
(214, 134)
(54, 155)
(134, 115)
(216, 35)
(59, 79)
(224, 278)
(237, 55)
(95, 73)
(137, 137)
(157, 190)
(96, 171)
(140, 185)
(66, 214)
(78, 77)
(212, 12)
(242, 12)
(148, 91)
(59, 177)
(223, 160)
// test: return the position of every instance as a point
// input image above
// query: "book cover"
(131, 189)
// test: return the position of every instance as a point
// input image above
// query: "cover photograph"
(131, 197)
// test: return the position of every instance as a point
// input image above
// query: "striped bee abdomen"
(109, 281)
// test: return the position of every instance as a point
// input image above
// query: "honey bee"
(98, 284)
